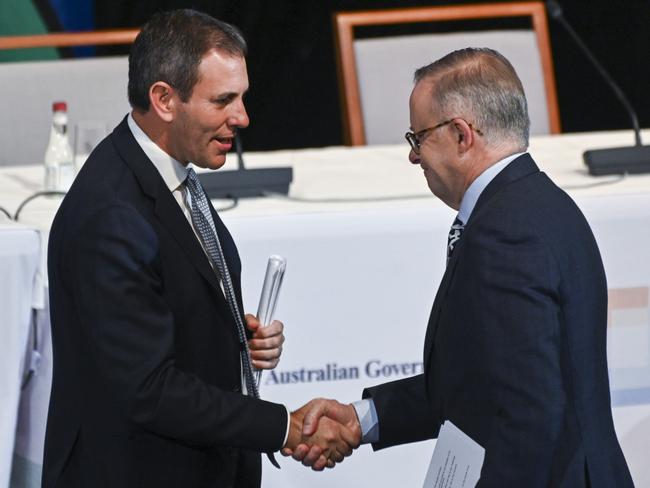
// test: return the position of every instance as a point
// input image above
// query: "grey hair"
(482, 84)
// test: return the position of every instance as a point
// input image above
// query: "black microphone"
(617, 160)
(245, 183)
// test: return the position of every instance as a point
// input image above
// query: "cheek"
(199, 125)
(211, 121)
(429, 165)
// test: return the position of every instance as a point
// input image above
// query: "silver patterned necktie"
(203, 223)
(454, 236)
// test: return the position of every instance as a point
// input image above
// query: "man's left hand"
(266, 344)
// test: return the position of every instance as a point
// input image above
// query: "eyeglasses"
(415, 138)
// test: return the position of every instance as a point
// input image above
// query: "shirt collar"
(173, 173)
(479, 184)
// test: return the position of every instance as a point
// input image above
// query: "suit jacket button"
(237, 388)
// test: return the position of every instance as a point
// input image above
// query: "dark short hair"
(170, 48)
(480, 82)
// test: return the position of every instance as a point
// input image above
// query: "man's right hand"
(322, 433)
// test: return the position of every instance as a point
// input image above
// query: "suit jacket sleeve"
(118, 294)
(513, 305)
(403, 412)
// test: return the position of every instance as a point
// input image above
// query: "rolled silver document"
(269, 296)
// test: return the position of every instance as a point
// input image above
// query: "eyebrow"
(230, 95)
(227, 96)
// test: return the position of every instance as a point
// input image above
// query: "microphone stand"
(618, 160)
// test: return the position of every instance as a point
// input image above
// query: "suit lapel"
(227, 243)
(434, 317)
(229, 252)
(517, 169)
(166, 208)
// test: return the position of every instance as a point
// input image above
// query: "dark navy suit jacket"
(515, 350)
(146, 382)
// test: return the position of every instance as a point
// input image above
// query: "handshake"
(322, 433)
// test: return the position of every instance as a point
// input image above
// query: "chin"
(433, 187)
(214, 163)
(217, 164)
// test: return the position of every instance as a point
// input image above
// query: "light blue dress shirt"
(366, 411)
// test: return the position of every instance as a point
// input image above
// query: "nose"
(414, 158)
(239, 117)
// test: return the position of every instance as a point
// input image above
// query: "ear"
(163, 100)
(464, 135)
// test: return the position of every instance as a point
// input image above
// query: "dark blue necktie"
(454, 236)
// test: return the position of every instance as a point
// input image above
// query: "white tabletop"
(362, 172)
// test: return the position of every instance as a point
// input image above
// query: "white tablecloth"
(19, 263)
(361, 278)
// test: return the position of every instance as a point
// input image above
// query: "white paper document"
(456, 460)
(269, 296)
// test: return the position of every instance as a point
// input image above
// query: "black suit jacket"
(515, 351)
(146, 382)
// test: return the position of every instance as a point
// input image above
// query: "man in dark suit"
(515, 351)
(152, 381)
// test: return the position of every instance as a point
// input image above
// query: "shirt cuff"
(367, 415)
(286, 434)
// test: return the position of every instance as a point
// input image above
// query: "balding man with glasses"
(515, 349)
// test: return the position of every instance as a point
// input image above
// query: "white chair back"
(95, 90)
(376, 73)
(385, 92)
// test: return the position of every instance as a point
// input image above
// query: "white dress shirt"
(172, 172)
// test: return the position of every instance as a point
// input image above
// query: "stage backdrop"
(294, 99)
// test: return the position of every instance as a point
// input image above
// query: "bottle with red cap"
(59, 164)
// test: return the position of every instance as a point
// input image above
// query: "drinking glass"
(87, 134)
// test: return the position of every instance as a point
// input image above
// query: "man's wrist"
(368, 420)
